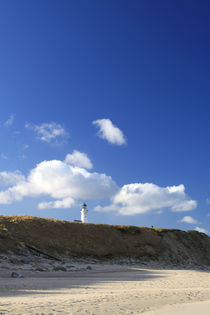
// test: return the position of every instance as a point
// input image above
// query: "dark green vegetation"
(101, 241)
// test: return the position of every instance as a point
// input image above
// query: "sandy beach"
(107, 289)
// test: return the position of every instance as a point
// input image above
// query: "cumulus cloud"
(199, 229)
(79, 159)
(144, 197)
(189, 220)
(66, 182)
(6, 197)
(65, 203)
(9, 122)
(63, 182)
(49, 132)
(109, 131)
(11, 178)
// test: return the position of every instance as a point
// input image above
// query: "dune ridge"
(103, 242)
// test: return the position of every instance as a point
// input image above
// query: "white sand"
(107, 290)
(198, 308)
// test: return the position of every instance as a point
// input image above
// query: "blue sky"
(119, 88)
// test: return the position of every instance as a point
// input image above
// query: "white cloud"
(199, 229)
(144, 197)
(10, 121)
(6, 197)
(109, 131)
(65, 183)
(11, 178)
(65, 203)
(189, 220)
(186, 205)
(79, 159)
(62, 182)
(49, 132)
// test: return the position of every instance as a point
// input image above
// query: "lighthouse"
(84, 213)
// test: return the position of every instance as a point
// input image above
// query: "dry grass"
(103, 241)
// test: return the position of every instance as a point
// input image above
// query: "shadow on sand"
(57, 282)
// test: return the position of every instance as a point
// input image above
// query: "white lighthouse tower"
(84, 213)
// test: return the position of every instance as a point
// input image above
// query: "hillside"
(63, 239)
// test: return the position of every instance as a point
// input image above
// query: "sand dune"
(108, 289)
(68, 240)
